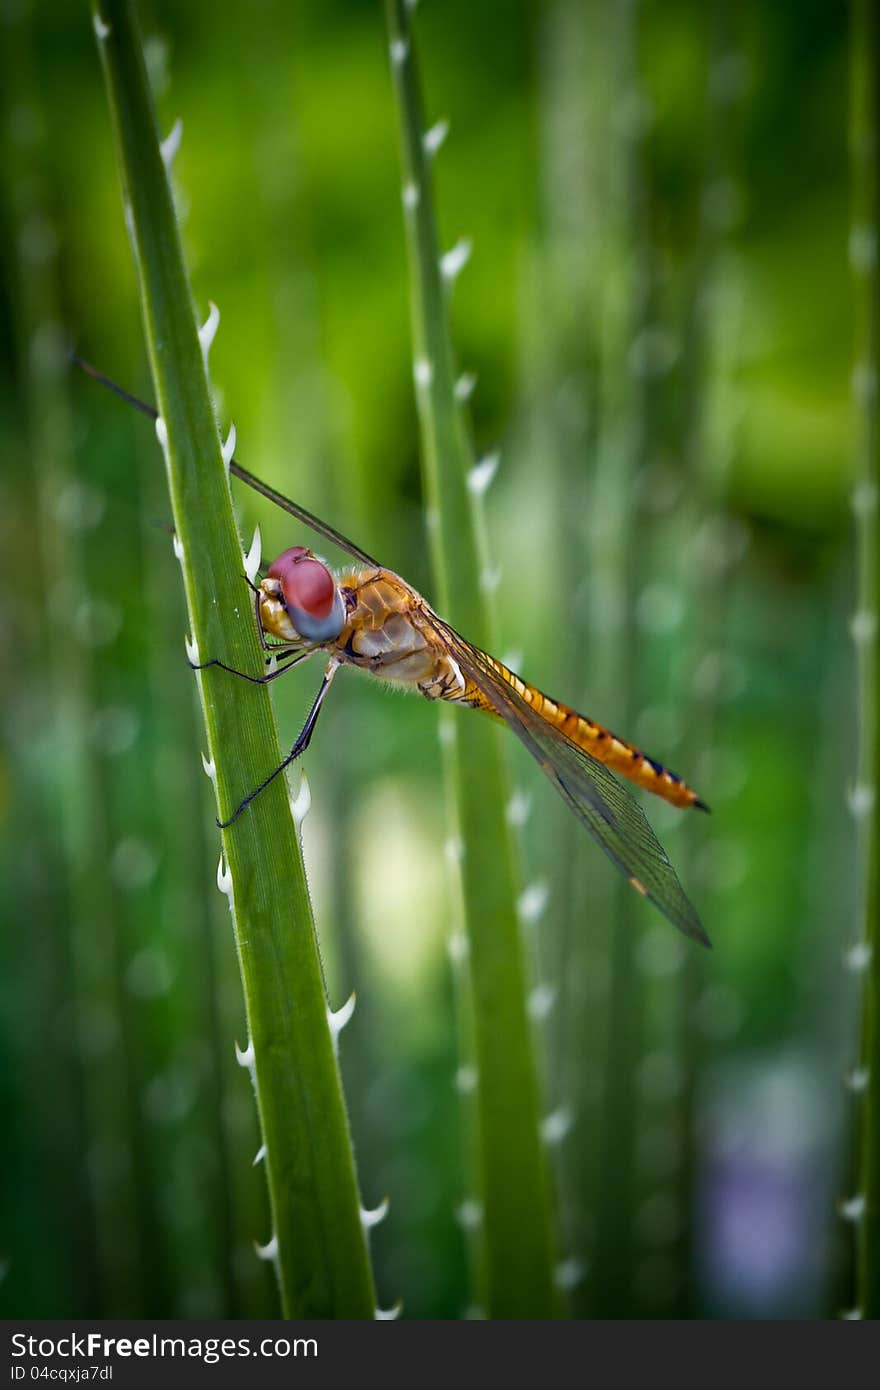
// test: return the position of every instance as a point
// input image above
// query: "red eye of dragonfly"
(307, 585)
(311, 598)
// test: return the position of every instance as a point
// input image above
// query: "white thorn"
(469, 1214)
(389, 1314)
(541, 1001)
(457, 946)
(853, 1208)
(860, 800)
(857, 1079)
(454, 849)
(227, 447)
(464, 387)
(253, 556)
(272, 664)
(862, 248)
(102, 29)
(858, 957)
(337, 1019)
(208, 330)
(192, 649)
(171, 144)
(533, 901)
(518, 808)
(490, 578)
(481, 475)
(556, 1125)
(177, 544)
(210, 769)
(410, 196)
(371, 1217)
(224, 877)
(301, 804)
(259, 1155)
(466, 1079)
(569, 1273)
(245, 1058)
(269, 1251)
(162, 434)
(863, 628)
(399, 48)
(433, 138)
(863, 384)
(445, 733)
(864, 499)
(423, 372)
(455, 260)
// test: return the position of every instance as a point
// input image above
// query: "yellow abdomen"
(599, 742)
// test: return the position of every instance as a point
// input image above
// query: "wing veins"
(601, 803)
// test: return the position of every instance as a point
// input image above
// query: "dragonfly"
(370, 618)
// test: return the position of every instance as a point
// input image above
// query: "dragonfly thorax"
(300, 601)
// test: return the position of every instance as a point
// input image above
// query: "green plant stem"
(616, 565)
(517, 1229)
(706, 440)
(558, 345)
(321, 1258)
(864, 135)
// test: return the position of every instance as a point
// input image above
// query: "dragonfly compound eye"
(312, 600)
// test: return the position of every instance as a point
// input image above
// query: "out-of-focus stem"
(517, 1224)
(99, 1195)
(624, 403)
(864, 1206)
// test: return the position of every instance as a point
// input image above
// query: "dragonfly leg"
(263, 643)
(258, 594)
(290, 660)
(298, 748)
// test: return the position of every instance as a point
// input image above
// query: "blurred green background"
(657, 315)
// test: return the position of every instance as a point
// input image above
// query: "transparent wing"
(608, 811)
(322, 528)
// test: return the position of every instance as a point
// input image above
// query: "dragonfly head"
(299, 599)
